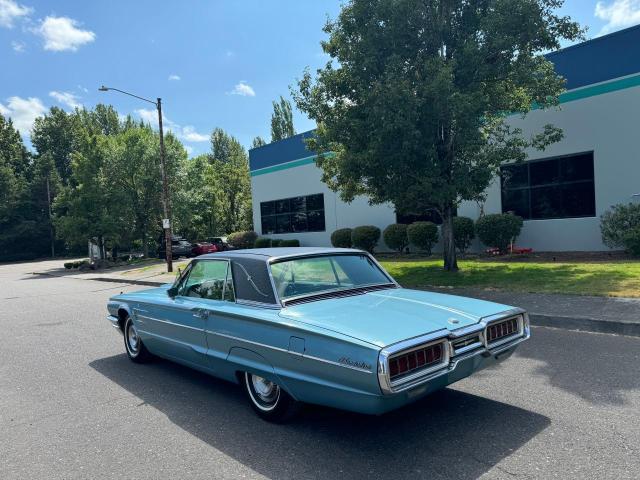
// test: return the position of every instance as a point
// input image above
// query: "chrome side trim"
(283, 350)
(146, 317)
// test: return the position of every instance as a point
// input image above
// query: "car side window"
(206, 279)
(229, 294)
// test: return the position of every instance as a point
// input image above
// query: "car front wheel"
(136, 350)
(268, 399)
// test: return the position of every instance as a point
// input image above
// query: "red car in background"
(201, 248)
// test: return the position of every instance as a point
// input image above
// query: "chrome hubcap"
(133, 340)
(264, 393)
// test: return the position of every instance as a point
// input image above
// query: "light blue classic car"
(314, 325)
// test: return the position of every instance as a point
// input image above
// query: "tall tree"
(414, 109)
(230, 164)
(56, 133)
(258, 142)
(282, 120)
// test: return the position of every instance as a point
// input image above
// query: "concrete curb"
(537, 320)
(131, 281)
(585, 324)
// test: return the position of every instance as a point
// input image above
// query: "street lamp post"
(166, 202)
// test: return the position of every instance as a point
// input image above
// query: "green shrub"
(242, 239)
(68, 265)
(499, 230)
(631, 241)
(276, 242)
(617, 225)
(365, 237)
(395, 236)
(341, 238)
(262, 242)
(464, 232)
(293, 242)
(423, 235)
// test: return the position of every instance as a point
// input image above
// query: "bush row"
(620, 227)
(250, 239)
(496, 230)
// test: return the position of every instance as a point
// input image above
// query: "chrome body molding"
(451, 357)
(114, 322)
(284, 350)
(189, 327)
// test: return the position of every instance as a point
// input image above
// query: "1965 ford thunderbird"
(315, 325)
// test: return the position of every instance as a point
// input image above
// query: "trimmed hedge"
(294, 242)
(631, 241)
(341, 238)
(365, 237)
(395, 236)
(464, 231)
(499, 230)
(423, 235)
(620, 227)
(262, 242)
(242, 239)
(276, 242)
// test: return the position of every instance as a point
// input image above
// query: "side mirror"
(172, 292)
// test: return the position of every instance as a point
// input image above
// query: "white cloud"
(18, 47)
(243, 89)
(188, 149)
(66, 98)
(10, 11)
(173, 76)
(23, 111)
(62, 33)
(618, 14)
(187, 133)
(84, 89)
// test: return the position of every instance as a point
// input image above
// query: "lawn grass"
(616, 278)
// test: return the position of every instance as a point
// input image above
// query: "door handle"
(200, 313)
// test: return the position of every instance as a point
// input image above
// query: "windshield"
(310, 275)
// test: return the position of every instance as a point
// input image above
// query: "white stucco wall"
(607, 124)
(306, 180)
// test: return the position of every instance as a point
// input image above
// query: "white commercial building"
(560, 192)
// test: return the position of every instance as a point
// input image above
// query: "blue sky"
(214, 63)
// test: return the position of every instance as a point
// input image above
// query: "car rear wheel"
(136, 351)
(268, 399)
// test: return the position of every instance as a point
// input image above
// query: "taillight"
(416, 359)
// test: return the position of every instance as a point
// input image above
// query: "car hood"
(385, 317)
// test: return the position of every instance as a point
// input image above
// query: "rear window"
(311, 275)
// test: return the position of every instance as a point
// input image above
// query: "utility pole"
(53, 247)
(166, 202)
(166, 199)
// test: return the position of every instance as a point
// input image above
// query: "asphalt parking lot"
(566, 405)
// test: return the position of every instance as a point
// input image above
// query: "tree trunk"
(145, 244)
(450, 260)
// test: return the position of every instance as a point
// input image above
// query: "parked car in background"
(200, 248)
(180, 247)
(220, 243)
(315, 325)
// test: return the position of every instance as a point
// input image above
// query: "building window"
(292, 215)
(561, 187)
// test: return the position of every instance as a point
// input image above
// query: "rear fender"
(245, 360)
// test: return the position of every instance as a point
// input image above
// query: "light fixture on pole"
(166, 201)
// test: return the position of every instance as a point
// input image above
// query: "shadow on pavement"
(601, 378)
(450, 434)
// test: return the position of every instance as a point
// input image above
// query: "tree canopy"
(282, 120)
(414, 100)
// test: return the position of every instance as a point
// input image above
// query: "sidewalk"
(572, 312)
(616, 315)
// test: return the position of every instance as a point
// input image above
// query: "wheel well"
(122, 316)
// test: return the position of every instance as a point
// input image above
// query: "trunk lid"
(386, 317)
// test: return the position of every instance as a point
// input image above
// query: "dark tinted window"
(555, 188)
(251, 280)
(296, 214)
